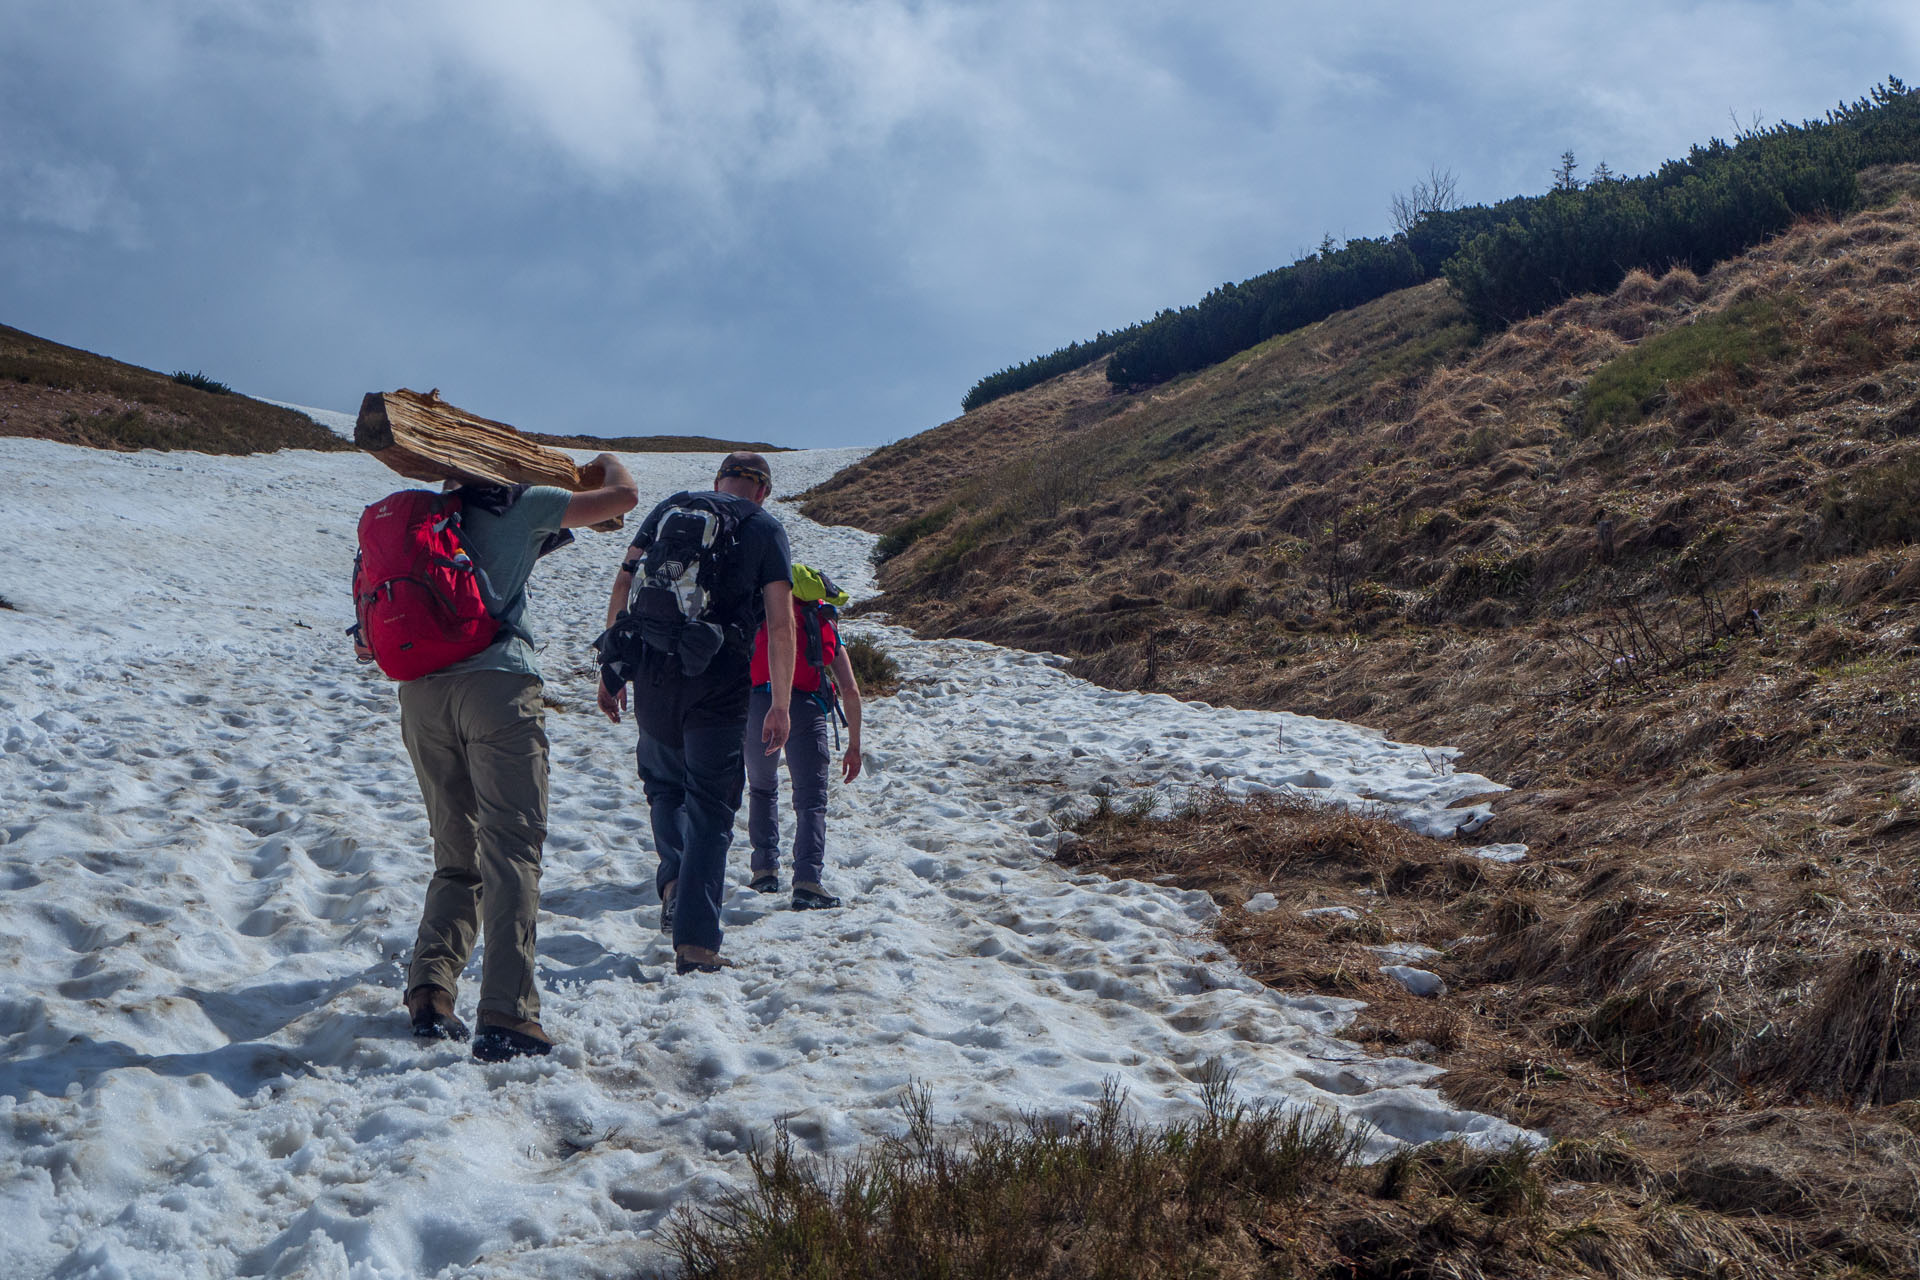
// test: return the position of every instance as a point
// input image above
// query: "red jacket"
(805, 678)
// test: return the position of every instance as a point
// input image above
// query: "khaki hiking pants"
(479, 748)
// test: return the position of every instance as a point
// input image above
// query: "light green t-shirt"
(505, 547)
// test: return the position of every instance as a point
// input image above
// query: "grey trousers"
(479, 747)
(808, 760)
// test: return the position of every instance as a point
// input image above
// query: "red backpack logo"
(416, 592)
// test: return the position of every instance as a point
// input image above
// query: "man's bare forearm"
(622, 588)
(781, 650)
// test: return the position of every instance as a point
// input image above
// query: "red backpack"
(416, 592)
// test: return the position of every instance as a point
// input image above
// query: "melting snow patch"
(1412, 951)
(1262, 902)
(1419, 981)
(1500, 852)
(214, 855)
(1345, 913)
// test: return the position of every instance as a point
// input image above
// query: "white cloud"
(681, 93)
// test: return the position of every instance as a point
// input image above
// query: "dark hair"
(748, 466)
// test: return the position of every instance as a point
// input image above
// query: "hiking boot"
(688, 958)
(765, 882)
(809, 895)
(431, 1009)
(501, 1038)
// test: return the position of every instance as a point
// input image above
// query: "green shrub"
(876, 671)
(1628, 387)
(203, 382)
(1719, 201)
(1522, 255)
(1235, 317)
(1099, 1197)
(1037, 370)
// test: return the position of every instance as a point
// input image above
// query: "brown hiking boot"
(431, 1010)
(688, 958)
(501, 1038)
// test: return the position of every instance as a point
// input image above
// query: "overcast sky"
(815, 222)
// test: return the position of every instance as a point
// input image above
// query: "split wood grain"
(423, 437)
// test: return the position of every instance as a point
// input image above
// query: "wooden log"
(424, 438)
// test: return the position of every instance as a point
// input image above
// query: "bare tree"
(1433, 194)
(1566, 175)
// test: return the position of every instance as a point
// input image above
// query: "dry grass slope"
(1651, 558)
(61, 393)
(653, 444)
(1756, 1168)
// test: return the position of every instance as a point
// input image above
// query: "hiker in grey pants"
(809, 760)
(809, 756)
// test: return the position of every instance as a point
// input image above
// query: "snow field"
(212, 852)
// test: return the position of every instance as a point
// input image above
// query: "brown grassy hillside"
(653, 444)
(61, 393)
(1650, 558)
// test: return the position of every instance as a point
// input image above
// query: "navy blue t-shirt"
(760, 555)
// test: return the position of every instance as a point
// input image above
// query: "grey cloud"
(817, 219)
(81, 197)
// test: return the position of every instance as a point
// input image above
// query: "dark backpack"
(673, 606)
(417, 594)
(819, 642)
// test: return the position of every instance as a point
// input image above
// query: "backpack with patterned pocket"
(672, 602)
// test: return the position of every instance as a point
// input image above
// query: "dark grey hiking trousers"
(809, 758)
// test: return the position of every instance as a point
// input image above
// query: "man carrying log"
(476, 733)
(703, 573)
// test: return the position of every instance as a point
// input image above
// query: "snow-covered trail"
(212, 852)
